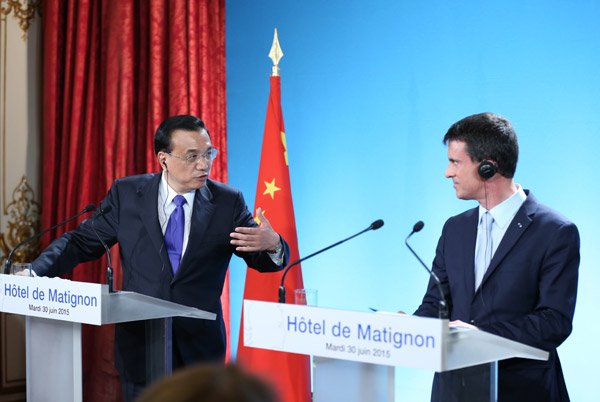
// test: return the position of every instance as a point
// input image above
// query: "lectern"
(354, 351)
(56, 308)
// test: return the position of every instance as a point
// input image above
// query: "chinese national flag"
(288, 372)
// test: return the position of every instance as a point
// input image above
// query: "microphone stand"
(8, 262)
(443, 308)
(282, 296)
(109, 270)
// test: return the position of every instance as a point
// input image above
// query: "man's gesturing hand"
(256, 239)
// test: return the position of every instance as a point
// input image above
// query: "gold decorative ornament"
(275, 54)
(23, 10)
(23, 222)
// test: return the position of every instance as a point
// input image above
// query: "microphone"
(109, 270)
(8, 262)
(443, 303)
(374, 226)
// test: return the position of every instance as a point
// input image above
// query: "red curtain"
(113, 70)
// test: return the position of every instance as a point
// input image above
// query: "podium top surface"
(131, 306)
(87, 303)
(389, 339)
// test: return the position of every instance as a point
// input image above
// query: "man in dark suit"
(509, 266)
(177, 231)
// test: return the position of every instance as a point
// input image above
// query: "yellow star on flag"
(284, 148)
(271, 188)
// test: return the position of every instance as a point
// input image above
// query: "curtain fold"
(113, 70)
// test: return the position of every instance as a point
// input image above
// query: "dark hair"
(210, 382)
(162, 138)
(488, 136)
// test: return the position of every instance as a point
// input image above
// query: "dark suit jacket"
(527, 294)
(133, 223)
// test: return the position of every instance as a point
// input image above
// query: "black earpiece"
(487, 170)
(165, 163)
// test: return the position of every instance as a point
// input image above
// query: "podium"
(362, 348)
(55, 309)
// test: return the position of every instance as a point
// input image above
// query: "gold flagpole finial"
(275, 54)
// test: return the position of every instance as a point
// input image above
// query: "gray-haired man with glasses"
(177, 231)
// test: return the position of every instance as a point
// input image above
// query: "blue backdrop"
(368, 91)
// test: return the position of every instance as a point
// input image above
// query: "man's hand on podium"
(461, 324)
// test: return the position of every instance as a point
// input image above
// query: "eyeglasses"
(193, 158)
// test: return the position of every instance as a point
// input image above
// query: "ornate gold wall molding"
(23, 222)
(22, 10)
(21, 43)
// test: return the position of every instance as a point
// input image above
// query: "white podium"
(359, 340)
(56, 308)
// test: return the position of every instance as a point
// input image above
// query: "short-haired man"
(177, 231)
(509, 266)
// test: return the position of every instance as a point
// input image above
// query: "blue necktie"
(174, 233)
(483, 255)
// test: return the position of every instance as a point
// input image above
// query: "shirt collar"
(504, 212)
(165, 188)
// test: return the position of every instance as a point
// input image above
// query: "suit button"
(473, 322)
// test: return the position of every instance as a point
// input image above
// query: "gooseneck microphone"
(374, 226)
(443, 303)
(109, 270)
(8, 263)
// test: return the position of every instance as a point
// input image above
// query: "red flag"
(288, 372)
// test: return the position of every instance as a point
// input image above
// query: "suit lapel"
(515, 230)
(201, 215)
(468, 242)
(148, 198)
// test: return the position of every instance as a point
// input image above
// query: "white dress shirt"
(166, 206)
(503, 215)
